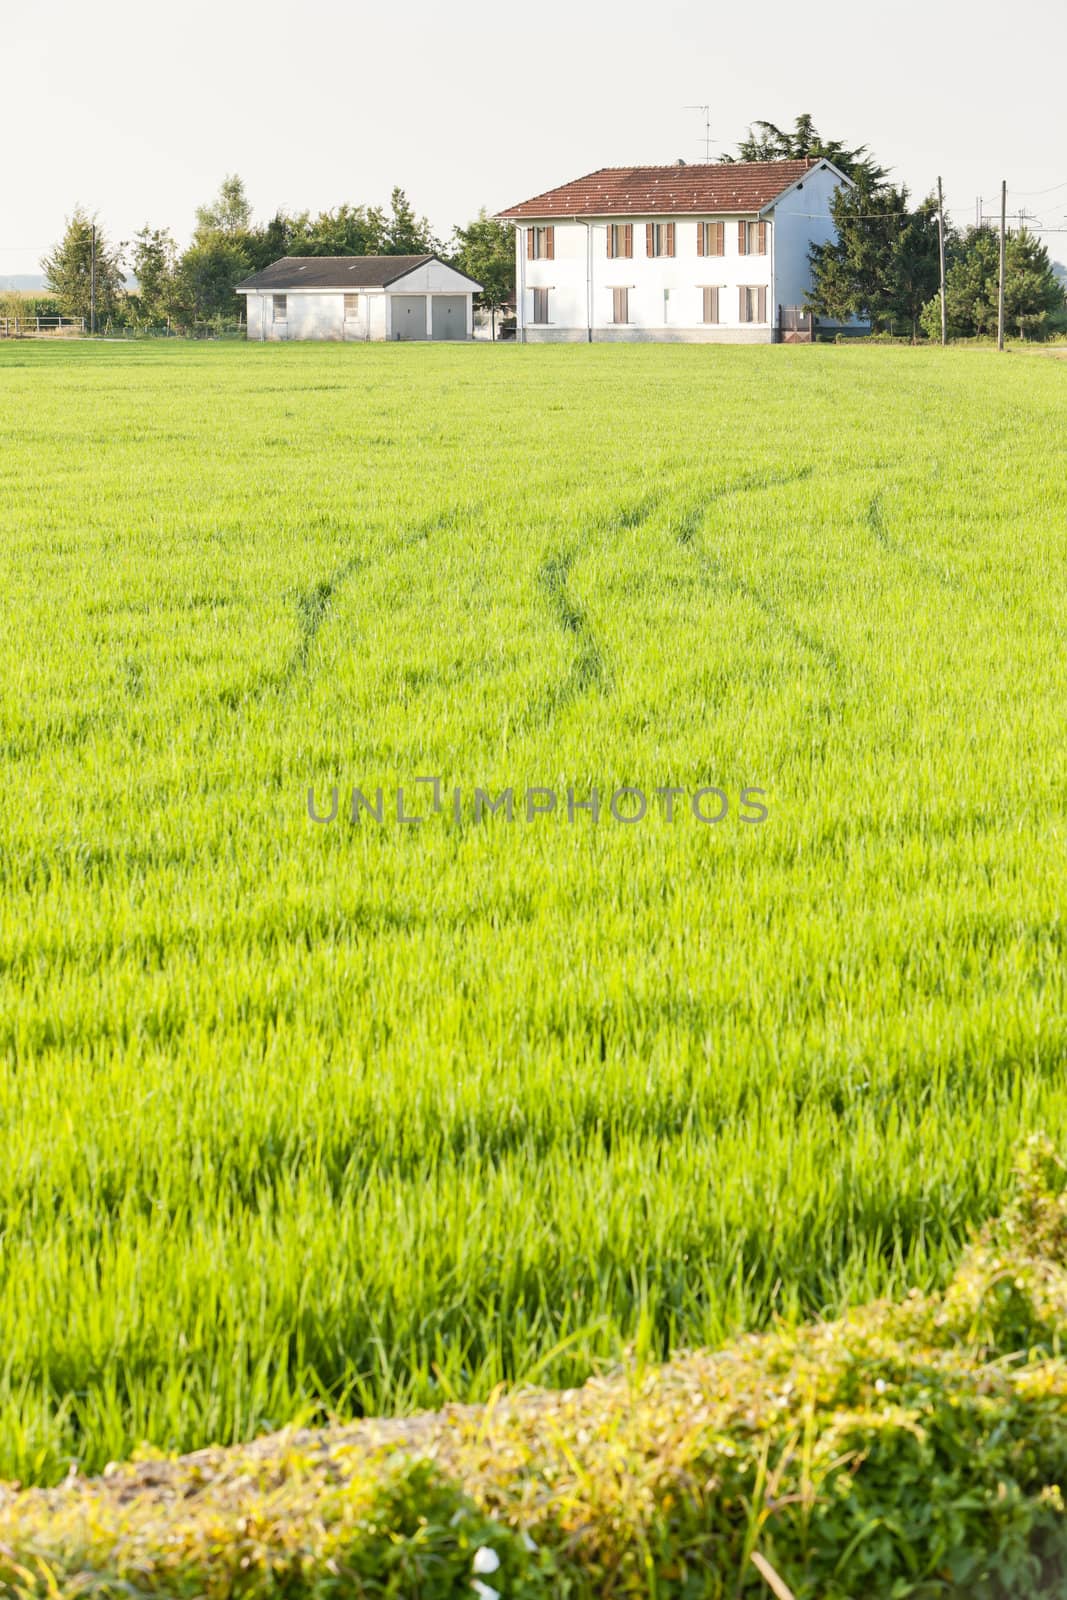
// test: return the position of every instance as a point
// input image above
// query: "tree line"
(883, 265)
(149, 282)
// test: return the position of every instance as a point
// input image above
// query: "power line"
(1026, 193)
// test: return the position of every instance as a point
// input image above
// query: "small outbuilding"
(359, 297)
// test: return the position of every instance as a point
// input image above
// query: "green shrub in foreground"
(915, 1449)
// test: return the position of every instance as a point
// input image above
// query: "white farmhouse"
(359, 297)
(685, 253)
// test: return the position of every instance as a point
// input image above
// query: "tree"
(915, 264)
(69, 269)
(883, 262)
(485, 251)
(404, 234)
(229, 214)
(205, 280)
(1032, 294)
(767, 142)
(346, 231)
(154, 265)
(276, 238)
(225, 248)
(971, 274)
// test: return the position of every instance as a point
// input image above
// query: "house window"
(352, 312)
(620, 299)
(620, 239)
(711, 238)
(280, 301)
(752, 238)
(540, 244)
(711, 303)
(540, 305)
(752, 303)
(659, 238)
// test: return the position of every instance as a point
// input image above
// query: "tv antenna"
(707, 127)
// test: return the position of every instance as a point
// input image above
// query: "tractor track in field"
(715, 572)
(875, 522)
(315, 603)
(750, 483)
(589, 671)
(313, 606)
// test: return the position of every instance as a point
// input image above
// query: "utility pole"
(1000, 285)
(941, 258)
(92, 283)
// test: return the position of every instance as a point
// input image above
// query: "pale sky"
(138, 115)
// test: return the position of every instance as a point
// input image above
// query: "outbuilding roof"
(640, 191)
(336, 272)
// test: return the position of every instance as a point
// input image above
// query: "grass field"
(301, 1118)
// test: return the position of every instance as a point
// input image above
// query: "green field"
(299, 1119)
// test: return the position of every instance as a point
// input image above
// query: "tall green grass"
(298, 1119)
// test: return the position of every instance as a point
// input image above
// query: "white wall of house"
(254, 316)
(665, 299)
(435, 277)
(377, 315)
(801, 219)
(320, 313)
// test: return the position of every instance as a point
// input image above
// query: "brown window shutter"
(742, 304)
(742, 238)
(762, 245)
(670, 238)
(715, 305)
(628, 248)
(700, 237)
(550, 243)
(762, 309)
(650, 239)
(529, 244)
(720, 238)
(611, 244)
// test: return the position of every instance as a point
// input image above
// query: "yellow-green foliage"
(302, 1121)
(907, 1450)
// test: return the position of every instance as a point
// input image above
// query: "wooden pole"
(92, 283)
(941, 258)
(1000, 285)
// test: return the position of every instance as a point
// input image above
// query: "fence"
(30, 327)
(34, 327)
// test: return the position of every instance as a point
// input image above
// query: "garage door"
(450, 316)
(409, 316)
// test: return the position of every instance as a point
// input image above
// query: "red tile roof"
(640, 191)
